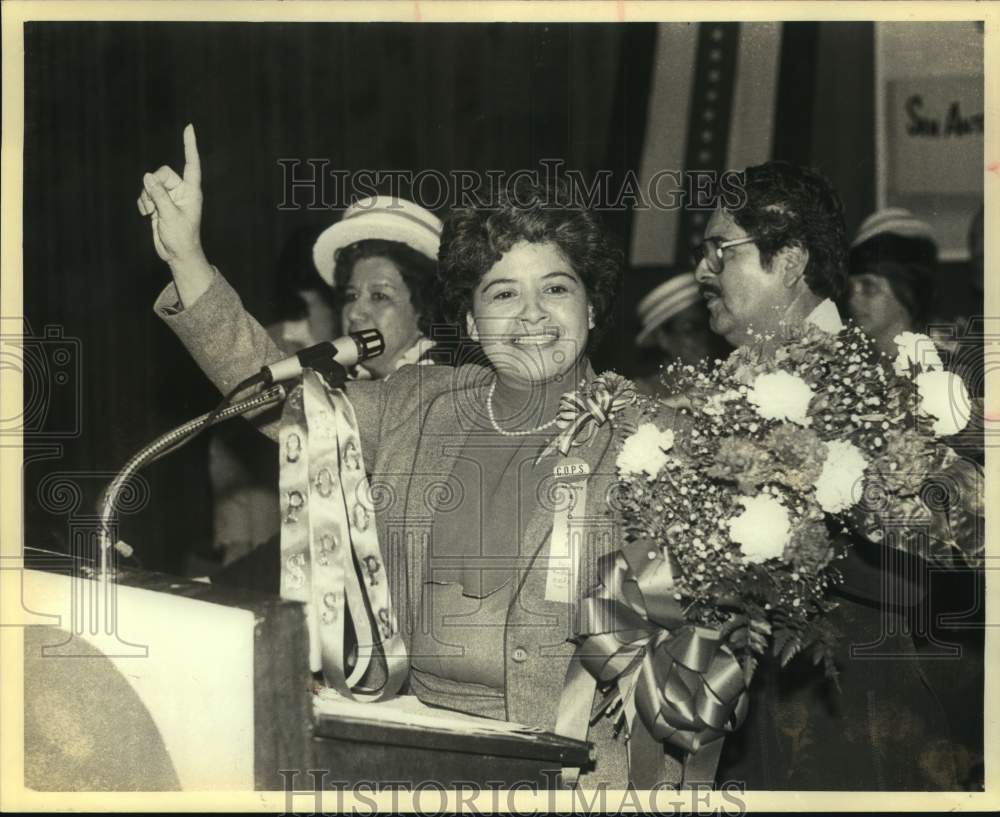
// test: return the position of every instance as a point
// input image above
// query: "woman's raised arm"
(207, 314)
(173, 204)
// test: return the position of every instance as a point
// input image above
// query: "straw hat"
(663, 302)
(385, 217)
(894, 221)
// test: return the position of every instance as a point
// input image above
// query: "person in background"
(373, 268)
(893, 265)
(675, 324)
(306, 310)
(241, 466)
(381, 258)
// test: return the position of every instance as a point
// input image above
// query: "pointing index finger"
(192, 161)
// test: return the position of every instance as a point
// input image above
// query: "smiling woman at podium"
(484, 562)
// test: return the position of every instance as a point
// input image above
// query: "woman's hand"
(173, 204)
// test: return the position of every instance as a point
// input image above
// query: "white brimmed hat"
(385, 217)
(665, 301)
(894, 220)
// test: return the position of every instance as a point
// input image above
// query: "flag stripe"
(755, 96)
(709, 119)
(654, 230)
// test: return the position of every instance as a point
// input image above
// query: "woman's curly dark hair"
(417, 271)
(475, 238)
(791, 206)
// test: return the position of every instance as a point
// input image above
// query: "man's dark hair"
(792, 206)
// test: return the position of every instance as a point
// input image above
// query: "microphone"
(346, 352)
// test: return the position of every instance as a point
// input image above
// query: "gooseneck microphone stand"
(321, 358)
(171, 441)
(317, 358)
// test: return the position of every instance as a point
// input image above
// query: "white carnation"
(915, 348)
(781, 396)
(839, 485)
(763, 528)
(944, 397)
(645, 451)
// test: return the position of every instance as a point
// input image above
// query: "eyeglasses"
(710, 251)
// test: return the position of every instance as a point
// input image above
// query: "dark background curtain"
(825, 110)
(105, 102)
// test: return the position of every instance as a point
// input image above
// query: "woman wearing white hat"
(381, 258)
(893, 269)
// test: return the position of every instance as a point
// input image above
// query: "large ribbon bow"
(580, 415)
(682, 681)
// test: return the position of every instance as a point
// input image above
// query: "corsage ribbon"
(682, 681)
(580, 416)
(328, 527)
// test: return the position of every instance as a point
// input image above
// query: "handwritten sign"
(935, 135)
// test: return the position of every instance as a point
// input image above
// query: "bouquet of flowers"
(734, 495)
(747, 482)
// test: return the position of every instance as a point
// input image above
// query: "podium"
(156, 683)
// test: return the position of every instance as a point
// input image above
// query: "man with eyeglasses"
(776, 259)
(781, 259)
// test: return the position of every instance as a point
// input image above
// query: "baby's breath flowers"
(774, 452)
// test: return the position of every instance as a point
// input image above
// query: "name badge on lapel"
(569, 498)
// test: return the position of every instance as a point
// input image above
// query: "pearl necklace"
(496, 425)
